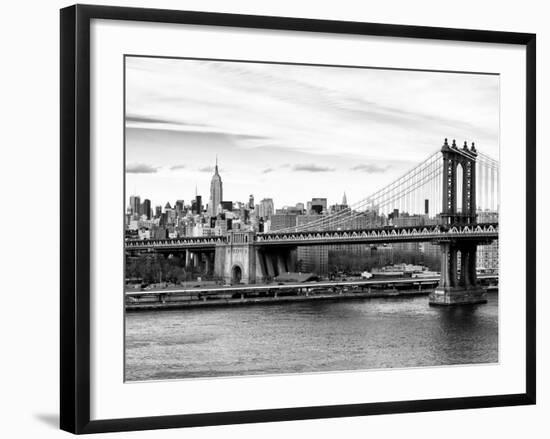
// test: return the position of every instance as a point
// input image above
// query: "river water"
(308, 337)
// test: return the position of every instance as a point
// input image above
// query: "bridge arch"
(236, 273)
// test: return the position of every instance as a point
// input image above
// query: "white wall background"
(29, 191)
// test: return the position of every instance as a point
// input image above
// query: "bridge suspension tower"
(459, 209)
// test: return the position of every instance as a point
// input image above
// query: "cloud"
(176, 167)
(267, 170)
(312, 168)
(139, 119)
(370, 168)
(144, 119)
(207, 169)
(192, 128)
(140, 168)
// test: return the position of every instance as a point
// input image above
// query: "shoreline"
(248, 301)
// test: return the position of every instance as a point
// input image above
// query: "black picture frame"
(75, 217)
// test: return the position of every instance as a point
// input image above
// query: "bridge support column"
(465, 267)
(472, 265)
(445, 280)
(269, 265)
(452, 291)
(292, 259)
(261, 270)
(453, 257)
(208, 263)
(281, 266)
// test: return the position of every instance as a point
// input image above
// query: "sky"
(292, 132)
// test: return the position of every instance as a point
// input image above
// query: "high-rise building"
(302, 220)
(221, 226)
(266, 208)
(289, 209)
(198, 204)
(409, 220)
(216, 192)
(487, 255)
(251, 202)
(281, 221)
(159, 232)
(226, 205)
(319, 205)
(146, 208)
(487, 216)
(179, 207)
(393, 216)
(335, 208)
(135, 204)
(170, 214)
(158, 211)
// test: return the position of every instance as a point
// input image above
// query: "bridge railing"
(389, 233)
(380, 233)
(134, 243)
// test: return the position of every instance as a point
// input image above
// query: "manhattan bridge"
(449, 187)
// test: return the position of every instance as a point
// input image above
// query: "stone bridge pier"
(458, 287)
(242, 260)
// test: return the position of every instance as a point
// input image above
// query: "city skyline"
(391, 183)
(272, 127)
(216, 185)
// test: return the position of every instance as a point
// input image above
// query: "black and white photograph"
(288, 218)
(275, 219)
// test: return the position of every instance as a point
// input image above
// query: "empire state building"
(216, 192)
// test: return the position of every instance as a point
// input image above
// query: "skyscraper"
(135, 204)
(216, 192)
(146, 208)
(319, 205)
(158, 211)
(180, 205)
(266, 208)
(198, 204)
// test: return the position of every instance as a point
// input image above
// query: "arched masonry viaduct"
(257, 263)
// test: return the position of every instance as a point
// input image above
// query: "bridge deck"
(305, 285)
(475, 232)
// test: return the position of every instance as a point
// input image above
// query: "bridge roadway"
(271, 294)
(475, 232)
(298, 287)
